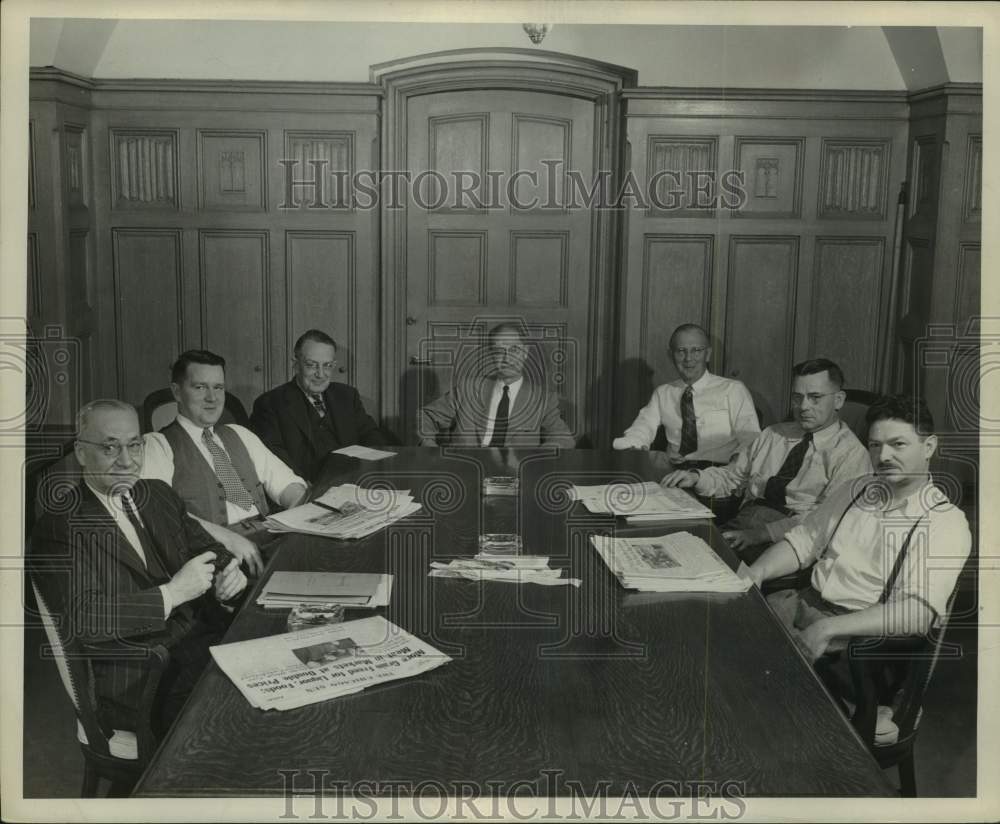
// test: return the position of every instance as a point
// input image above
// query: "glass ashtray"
(500, 485)
(499, 543)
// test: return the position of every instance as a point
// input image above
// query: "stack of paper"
(365, 453)
(641, 503)
(345, 512)
(679, 562)
(286, 589)
(518, 569)
(294, 669)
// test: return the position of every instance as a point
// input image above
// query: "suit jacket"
(284, 421)
(463, 411)
(93, 580)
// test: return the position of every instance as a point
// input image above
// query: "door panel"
(498, 243)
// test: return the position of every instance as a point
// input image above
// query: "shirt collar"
(192, 428)
(791, 430)
(515, 386)
(918, 502)
(702, 383)
(107, 500)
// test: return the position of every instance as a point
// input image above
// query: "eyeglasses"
(697, 351)
(813, 398)
(514, 351)
(313, 366)
(112, 449)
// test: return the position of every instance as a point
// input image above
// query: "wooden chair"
(121, 758)
(895, 673)
(159, 409)
(854, 410)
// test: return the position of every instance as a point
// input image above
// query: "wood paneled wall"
(798, 267)
(156, 224)
(183, 235)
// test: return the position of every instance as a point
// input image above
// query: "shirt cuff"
(797, 539)
(627, 443)
(168, 603)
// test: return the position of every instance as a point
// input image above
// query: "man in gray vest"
(224, 474)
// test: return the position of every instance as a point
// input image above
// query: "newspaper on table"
(679, 562)
(641, 503)
(347, 511)
(517, 569)
(282, 672)
(365, 453)
(285, 589)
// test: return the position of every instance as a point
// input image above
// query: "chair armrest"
(156, 659)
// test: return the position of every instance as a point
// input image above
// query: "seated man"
(306, 419)
(221, 472)
(887, 550)
(124, 561)
(791, 466)
(499, 408)
(707, 419)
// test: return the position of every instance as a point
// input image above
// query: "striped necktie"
(689, 428)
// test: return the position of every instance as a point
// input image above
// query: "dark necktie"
(318, 405)
(774, 491)
(152, 558)
(689, 429)
(500, 424)
(236, 493)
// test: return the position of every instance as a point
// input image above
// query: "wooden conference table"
(597, 683)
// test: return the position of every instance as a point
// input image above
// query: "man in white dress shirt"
(499, 406)
(886, 549)
(791, 467)
(707, 419)
(224, 474)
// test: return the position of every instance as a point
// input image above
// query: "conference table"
(549, 687)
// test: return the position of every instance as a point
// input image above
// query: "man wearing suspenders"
(886, 549)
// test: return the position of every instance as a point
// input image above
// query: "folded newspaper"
(346, 512)
(641, 503)
(679, 562)
(282, 672)
(517, 569)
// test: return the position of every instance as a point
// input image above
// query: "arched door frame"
(521, 70)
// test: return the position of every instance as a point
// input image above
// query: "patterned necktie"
(774, 491)
(318, 405)
(500, 424)
(689, 431)
(236, 493)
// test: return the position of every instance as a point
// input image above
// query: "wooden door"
(507, 244)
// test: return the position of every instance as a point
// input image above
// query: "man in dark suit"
(304, 420)
(125, 561)
(498, 406)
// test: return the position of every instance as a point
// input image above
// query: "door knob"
(415, 361)
(735, 373)
(258, 369)
(410, 320)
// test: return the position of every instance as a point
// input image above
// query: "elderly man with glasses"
(791, 467)
(707, 418)
(123, 560)
(306, 419)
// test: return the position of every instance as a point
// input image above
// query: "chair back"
(74, 671)
(159, 409)
(854, 410)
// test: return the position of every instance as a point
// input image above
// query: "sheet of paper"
(365, 453)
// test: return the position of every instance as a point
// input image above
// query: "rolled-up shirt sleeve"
(272, 471)
(719, 481)
(158, 458)
(810, 536)
(643, 429)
